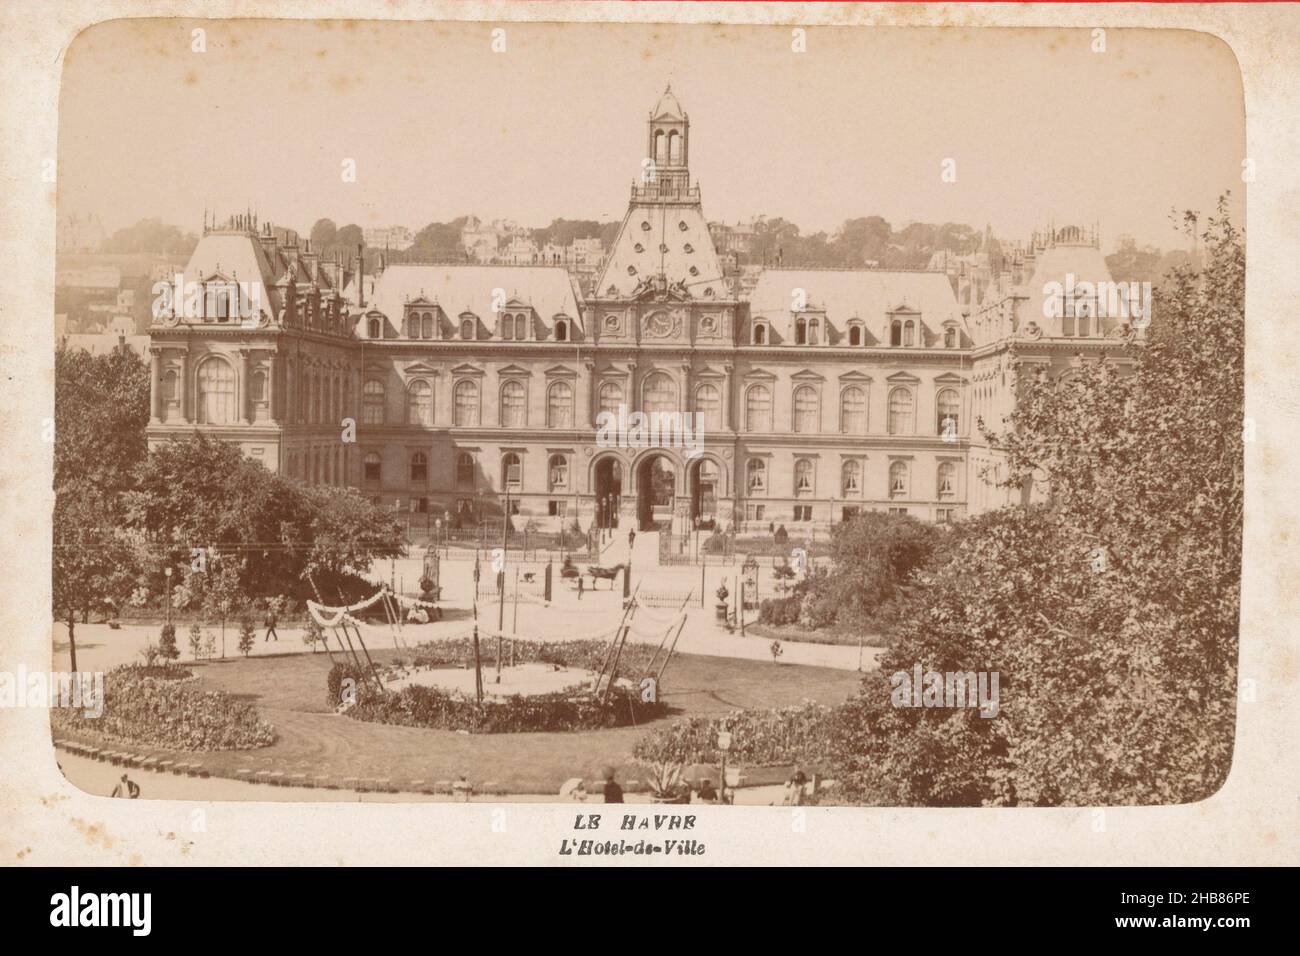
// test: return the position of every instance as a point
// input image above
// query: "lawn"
(290, 693)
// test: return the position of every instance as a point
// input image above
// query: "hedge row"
(776, 737)
(163, 707)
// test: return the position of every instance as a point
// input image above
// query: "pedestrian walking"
(271, 620)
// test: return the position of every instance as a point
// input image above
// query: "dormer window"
(801, 331)
(950, 337)
(467, 328)
(562, 330)
(909, 333)
(374, 329)
(855, 333)
(760, 333)
(896, 332)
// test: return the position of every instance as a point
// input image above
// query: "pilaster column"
(728, 421)
(586, 394)
(634, 392)
(187, 412)
(155, 386)
(686, 404)
(244, 371)
(272, 387)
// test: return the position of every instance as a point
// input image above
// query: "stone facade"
(477, 388)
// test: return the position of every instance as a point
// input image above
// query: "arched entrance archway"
(656, 490)
(609, 492)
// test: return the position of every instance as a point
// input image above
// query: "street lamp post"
(167, 573)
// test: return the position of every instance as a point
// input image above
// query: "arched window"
(756, 476)
(521, 327)
(559, 405)
(465, 401)
(374, 328)
(948, 409)
(1084, 320)
(813, 332)
(851, 478)
(801, 331)
(758, 409)
(803, 477)
(896, 332)
(464, 470)
(557, 473)
(371, 466)
(805, 418)
(855, 335)
(611, 397)
(900, 412)
(257, 394)
(467, 329)
(413, 325)
(661, 149)
(708, 404)
(372, 402)
(760, 334)
(561, 331)
(507, 327)
(853, 411)
(426, 325)
(419, 403)
(512, 472)
(947, 479)
(909, 333)
(1067, 324)
(216, 392)
(659, 394)
(513, 411)
(898, 479)
(171, 387)
(419, 467)
(674, 148)
(950, 338)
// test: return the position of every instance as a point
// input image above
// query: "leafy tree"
(167, 648)
(222, 593)
(196, 639)
(876, 556)
(151, 236)
(323, 234)
(101, 409)
(247, 634)
(90, 565)
(1110, 614)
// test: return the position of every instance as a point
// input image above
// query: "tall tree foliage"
(1110, 614)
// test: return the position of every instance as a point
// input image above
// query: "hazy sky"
(439, 125)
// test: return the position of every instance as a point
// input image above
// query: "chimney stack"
(361, 275)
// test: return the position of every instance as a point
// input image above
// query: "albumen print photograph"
(680, 414)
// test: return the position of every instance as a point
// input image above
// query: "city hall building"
(477, 389)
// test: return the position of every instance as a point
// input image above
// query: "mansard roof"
(460, 289)
(869, 295)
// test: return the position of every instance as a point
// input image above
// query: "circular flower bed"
(423, 705)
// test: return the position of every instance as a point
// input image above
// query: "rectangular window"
(849, 512)
(420, 504)
(556, 509)
(803, 512)
(898, 511)
(754, 512)
(943, 515)
(514, 506)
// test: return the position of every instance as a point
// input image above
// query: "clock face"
(659, 325)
